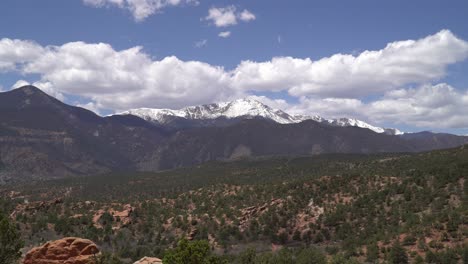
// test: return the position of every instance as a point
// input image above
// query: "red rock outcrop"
(69, 250)
(121, 218)
(148, 260)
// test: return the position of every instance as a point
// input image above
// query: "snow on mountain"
(246, 108)
(300, 118)
(393, 131)
(356, 123)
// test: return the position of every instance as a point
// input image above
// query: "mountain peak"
(28, 89)
(26, 96)
(249, 101)
(239, 108)
(245, 108)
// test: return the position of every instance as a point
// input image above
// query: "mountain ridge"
(245, 108)
(42, 137)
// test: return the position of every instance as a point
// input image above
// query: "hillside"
(351, 206)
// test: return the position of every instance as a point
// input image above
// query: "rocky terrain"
(351, 206)
(68, 250)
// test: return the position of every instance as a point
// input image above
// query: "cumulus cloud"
(436, 106)
(20, 83)
(224, 34)
(140, 9)
(332, 86)
(128, 78)
(47, 87)
(223, 16)
(246, 16)
(14, 52)
(329, 107)
(228, 16)
(344, 75)
(91, 106)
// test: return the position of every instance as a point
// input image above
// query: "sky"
(400, 64)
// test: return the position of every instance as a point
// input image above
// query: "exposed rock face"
(69, 250)
(250, 212)
(120, 218)
(148, 260)
(35, 207)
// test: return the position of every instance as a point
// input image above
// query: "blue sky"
(430, 94)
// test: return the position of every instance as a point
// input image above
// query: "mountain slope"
(43, 137)
(428, 141)
(253, 138)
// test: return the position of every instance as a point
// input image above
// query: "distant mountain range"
(221, 113)
(41, 137)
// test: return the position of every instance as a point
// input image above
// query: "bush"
(196, 252)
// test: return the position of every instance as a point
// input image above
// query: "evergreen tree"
(311, 256)
(398, 254)
(372, 252)
(186, 252)
(418, 260)
(10, 242)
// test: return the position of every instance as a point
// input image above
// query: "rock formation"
(149, 260)
(69, 250)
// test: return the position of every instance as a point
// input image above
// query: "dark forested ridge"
(336, 207)
(43, 138)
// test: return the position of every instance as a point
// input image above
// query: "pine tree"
(10, 242)
(398, 254)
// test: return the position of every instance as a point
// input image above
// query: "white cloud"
(332, 86)
(50, 89)
(343, 75)
(329, 107)
(91, 106)
(201, 43)
(14, 52)
(47, 87)
(436, 106)
(140, 9)
(129, 78)
(246, 16)
(223, 16)
(20, 83)
(228, 16)
(225, 34)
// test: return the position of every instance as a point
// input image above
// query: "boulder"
(69, 250)
(149, 260)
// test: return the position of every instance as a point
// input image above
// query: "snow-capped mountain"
(245, 108)
(362, 124)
